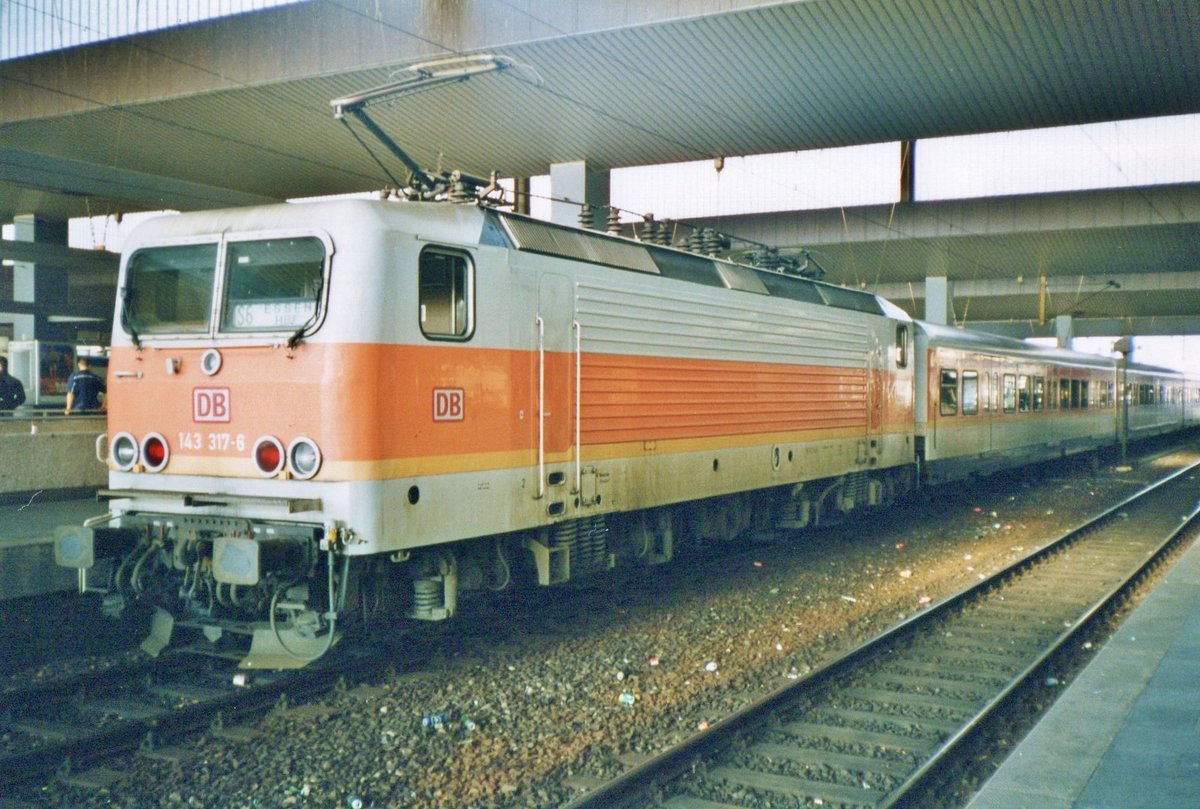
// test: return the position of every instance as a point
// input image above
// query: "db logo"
(447, 404)
(210, 404)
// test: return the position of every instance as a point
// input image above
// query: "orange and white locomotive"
(309, 403)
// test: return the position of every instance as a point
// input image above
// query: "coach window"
(949, 393)
(984, 395)
(1023, 393)
(970, 393)
(1010, 393)
(446, 295)
(1083, 394)
(1075, 387)
(1039, 393)
(1064, 394)
(902, 346)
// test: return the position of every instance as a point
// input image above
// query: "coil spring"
(427, 595)
(587, 538)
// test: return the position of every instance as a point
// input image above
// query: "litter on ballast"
(710, 665)
(906, 574)
(851, 599)
(626, 698)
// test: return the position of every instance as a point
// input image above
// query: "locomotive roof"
(536, 236)
(464, 223)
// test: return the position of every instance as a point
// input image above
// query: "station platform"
(1126, 734)
(27, 544)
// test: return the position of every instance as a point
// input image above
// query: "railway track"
(71, 727)
(869, 728)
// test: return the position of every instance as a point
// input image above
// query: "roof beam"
(45, 254)
(61, 175)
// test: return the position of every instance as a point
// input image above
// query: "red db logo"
(447, 404)
(210, 404)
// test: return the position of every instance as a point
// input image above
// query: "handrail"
(541, 407)
(578, 389)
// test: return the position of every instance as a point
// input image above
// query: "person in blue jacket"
(83, 388)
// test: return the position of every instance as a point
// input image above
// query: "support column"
(939, 300)
(1064, 330)
(521, 194)
(908, 162)
(575, 184)
(33, 288)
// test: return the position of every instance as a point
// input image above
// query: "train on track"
(325, 414)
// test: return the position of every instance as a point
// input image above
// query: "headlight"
(304, 458)
(124, 451)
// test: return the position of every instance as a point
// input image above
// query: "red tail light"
(268, 456)
(155, 452)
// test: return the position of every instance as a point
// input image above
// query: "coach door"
(554, 389)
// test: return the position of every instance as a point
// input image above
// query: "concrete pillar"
(1064, 330)
(44, 286)
(574, 183)
(521, 195)
(908, 173)
(939, 300)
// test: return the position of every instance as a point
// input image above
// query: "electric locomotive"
(332, 413)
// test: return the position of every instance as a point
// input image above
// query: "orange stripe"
(373, 403)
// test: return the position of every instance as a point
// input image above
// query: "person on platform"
(12, 392)
(83, 388)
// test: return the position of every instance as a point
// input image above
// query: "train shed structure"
(229, 112)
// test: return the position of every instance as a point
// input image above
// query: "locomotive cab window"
(169, 290)
(949, 393)
(446, 294)
(272, 285)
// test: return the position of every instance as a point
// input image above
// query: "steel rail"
(652, 775)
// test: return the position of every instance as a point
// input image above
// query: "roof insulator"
(614, 221)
